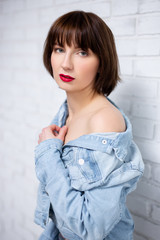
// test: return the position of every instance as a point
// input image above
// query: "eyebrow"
(75, 46)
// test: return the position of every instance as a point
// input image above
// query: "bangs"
(73, 29)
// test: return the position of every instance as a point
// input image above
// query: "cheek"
(54, 61)
(90, 69)
(54, 68)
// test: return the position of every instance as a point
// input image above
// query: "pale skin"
(89, 111)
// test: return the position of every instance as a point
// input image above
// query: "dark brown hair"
(87, 31)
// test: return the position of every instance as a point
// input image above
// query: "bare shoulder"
(107, 119)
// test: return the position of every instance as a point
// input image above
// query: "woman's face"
(74, 69)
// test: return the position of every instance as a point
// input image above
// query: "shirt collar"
(104, 143)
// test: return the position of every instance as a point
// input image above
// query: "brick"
(23, 186)
(101, 8)
(37, 33)
(14, 91)
(15, 215)
(10, 7)
(27, 62)
(59, 2)
(7, 193)
(155, 173)
(37, 121)
(13, 34)
(12, 140)
(146, 228)
(1, 229)
(149, 150)
(26, 48)
(157, 132)
(14, 166)
(148, 190)
(136, 87)
(126, 66)
(36, 229)
(159, 91)
(126, 47)
(122, 103)
(156, 213)
(143, 128)
(146, 110)
(49, 15)
(138, 206)
(25, 105)
(30, 78)
(16, 116)
(138, 237)
(7, 173)
(36, 4)
(29, 172)
(148, 25)
(25, 18)
(5, 20)
(19, 48)
(122, 27)
(147, 67)
(10, 235)
(6, 75)
(30, 204)
(124, 7)
(148, 47)
(147, 171)
(24, 233)
(149, 6)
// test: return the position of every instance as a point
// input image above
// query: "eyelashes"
(78, 51)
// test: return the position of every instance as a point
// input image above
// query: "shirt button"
(81, 161)
(104, 141)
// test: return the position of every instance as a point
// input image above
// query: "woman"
(86, 160)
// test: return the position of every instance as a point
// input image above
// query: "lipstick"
(66, 78)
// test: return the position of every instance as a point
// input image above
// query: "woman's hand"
(52, 131)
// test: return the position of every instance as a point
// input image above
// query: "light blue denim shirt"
(84, 184)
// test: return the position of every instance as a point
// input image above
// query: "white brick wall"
(29, 98)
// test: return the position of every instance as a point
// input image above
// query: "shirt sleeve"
(90, 214)
(50, 233)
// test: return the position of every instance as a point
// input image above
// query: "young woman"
(86, 160)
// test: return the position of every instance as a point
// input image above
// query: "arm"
(42, 212)
(90, 215)
(50, 233)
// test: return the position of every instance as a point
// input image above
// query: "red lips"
(66, 78)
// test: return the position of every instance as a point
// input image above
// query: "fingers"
(62, 133)
(54, 127)
(39, 139)
(48, 133)
(52, 131)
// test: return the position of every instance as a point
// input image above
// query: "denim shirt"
(84, 184)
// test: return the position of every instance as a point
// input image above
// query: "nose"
(67, 63)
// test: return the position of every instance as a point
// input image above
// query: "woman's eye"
(58, 50)
(83, 53)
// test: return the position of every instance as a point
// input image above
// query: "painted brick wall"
(29, 99)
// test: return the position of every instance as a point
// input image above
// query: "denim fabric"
(84, 184)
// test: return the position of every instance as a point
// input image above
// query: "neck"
(79, 102)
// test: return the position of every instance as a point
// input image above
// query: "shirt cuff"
(46, 145)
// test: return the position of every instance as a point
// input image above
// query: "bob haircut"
(87, 31)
